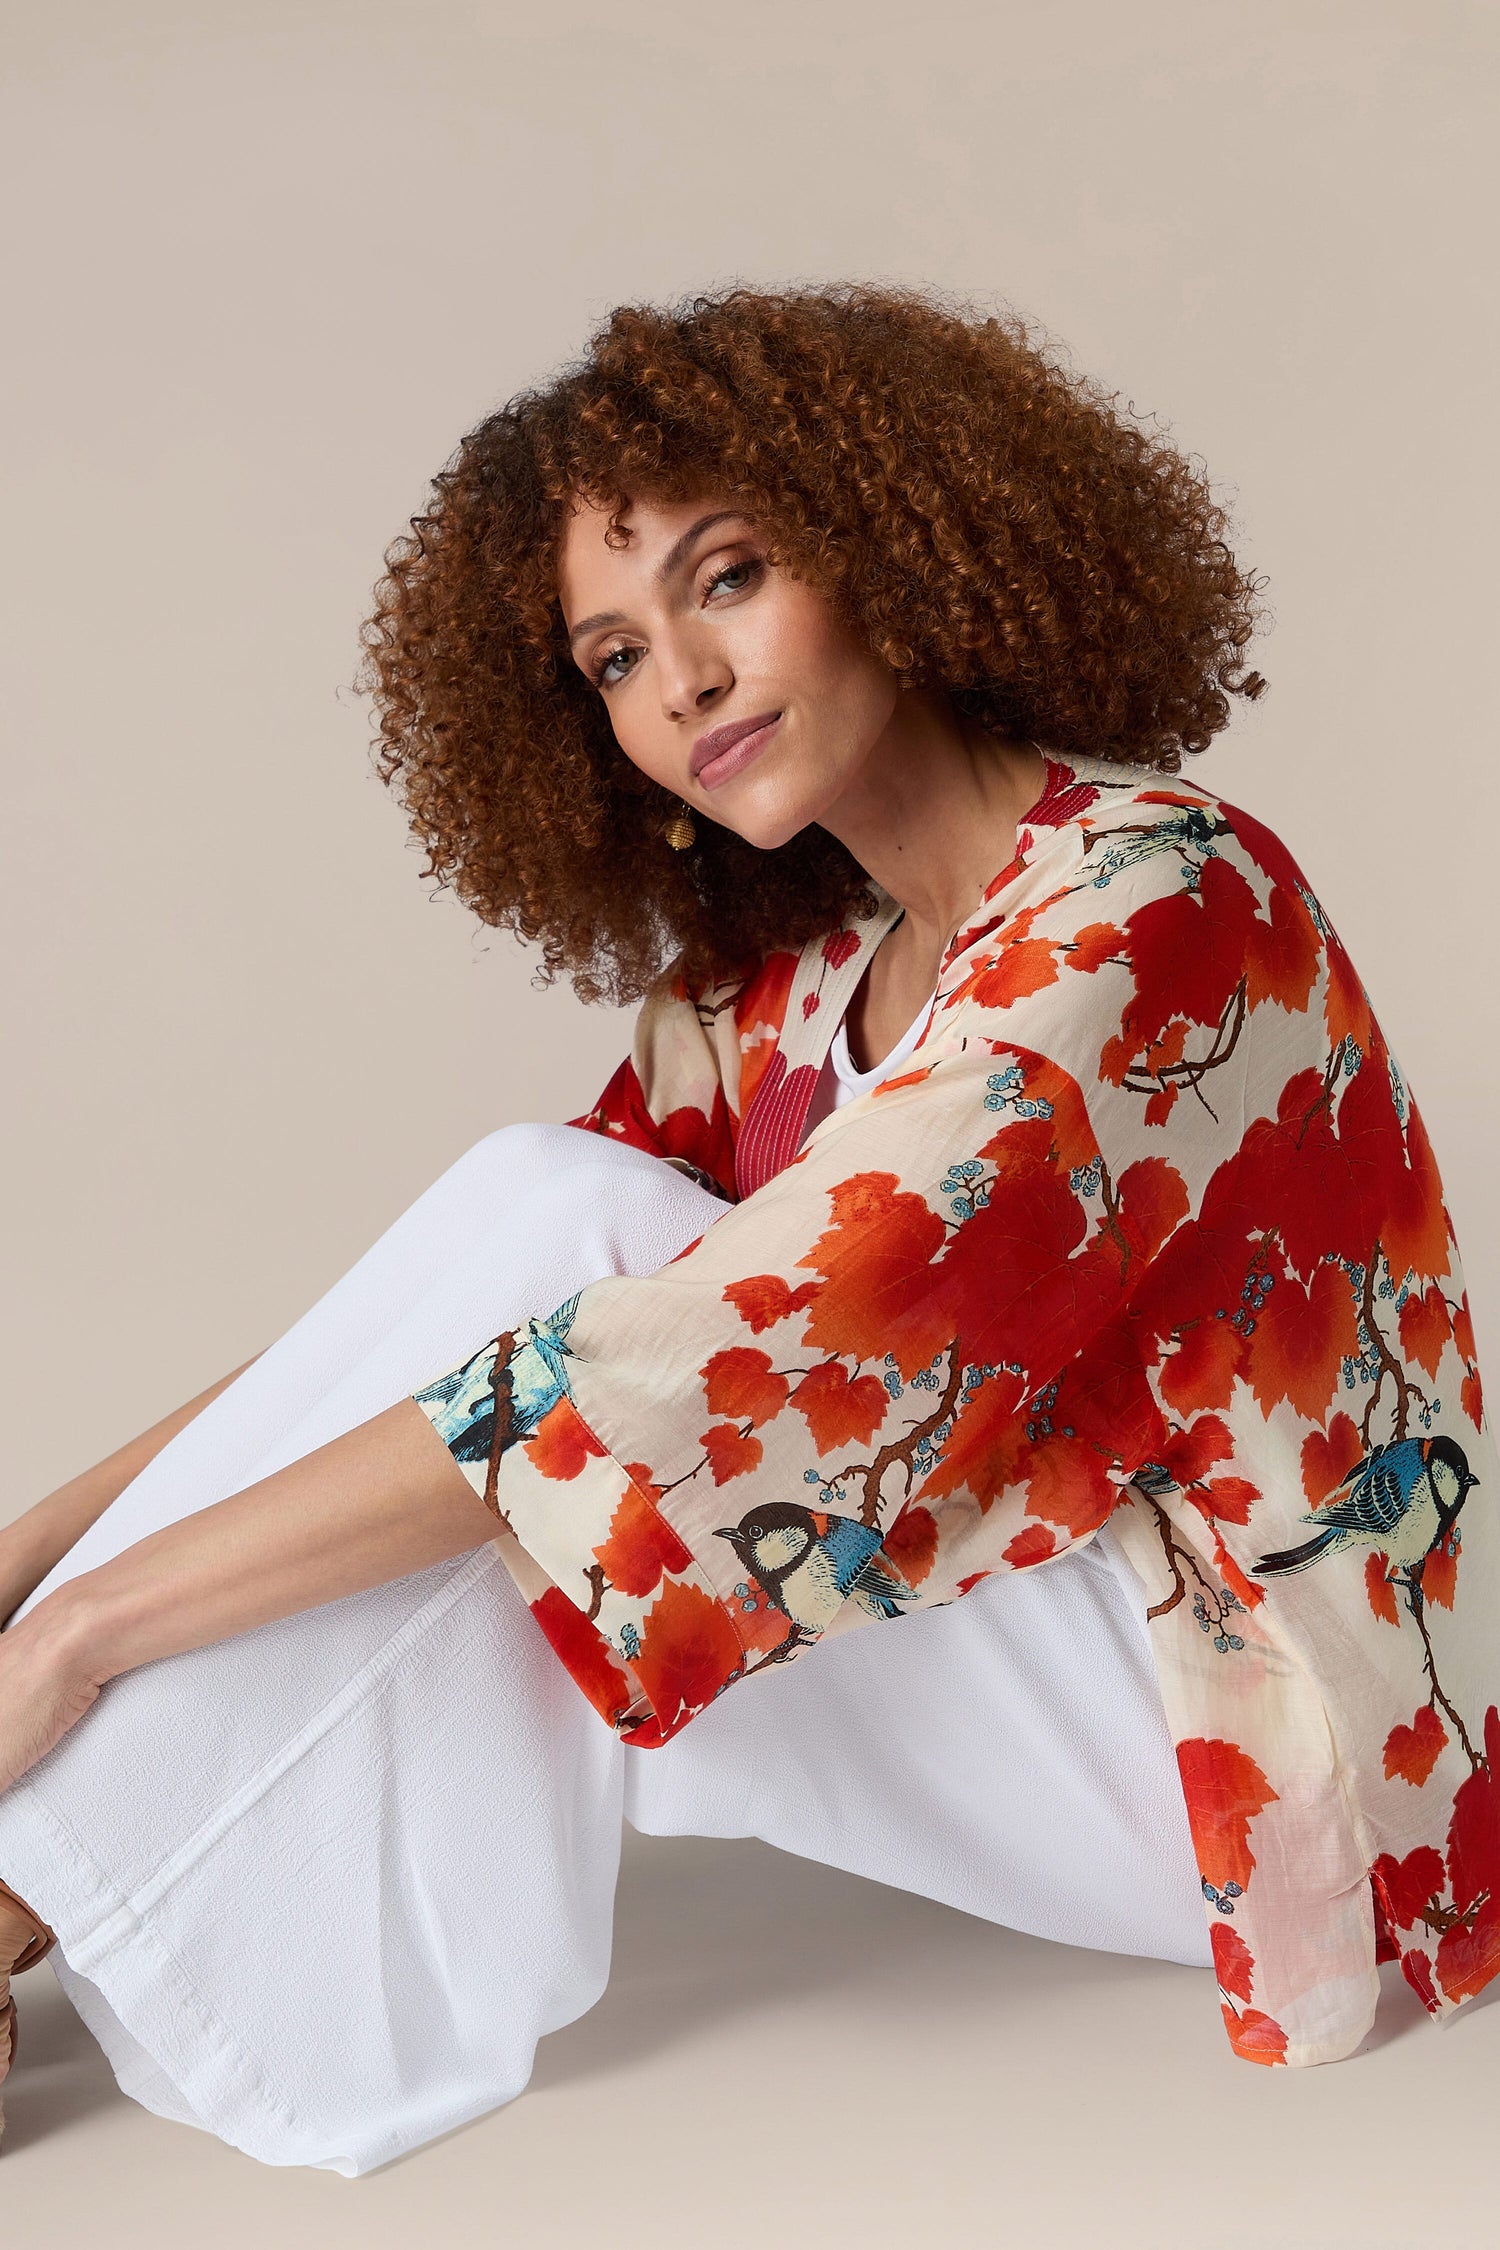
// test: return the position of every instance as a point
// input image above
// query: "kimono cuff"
(632, 1611)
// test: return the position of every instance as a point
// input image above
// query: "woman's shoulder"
(1135, 832)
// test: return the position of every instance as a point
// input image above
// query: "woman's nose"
(693, 677)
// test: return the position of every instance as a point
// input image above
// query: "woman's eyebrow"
(664, 569)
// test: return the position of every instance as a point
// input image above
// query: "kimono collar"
(829, 970)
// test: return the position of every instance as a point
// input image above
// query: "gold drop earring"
(681, 830)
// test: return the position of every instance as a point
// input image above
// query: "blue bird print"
(500, 1395)
(809, 1561)
(1403, 1497)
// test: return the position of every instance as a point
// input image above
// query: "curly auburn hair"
(986, 520)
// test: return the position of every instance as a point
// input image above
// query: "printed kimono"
(1147, 1231)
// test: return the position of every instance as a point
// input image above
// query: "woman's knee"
(536, 1167)
(521, 1153)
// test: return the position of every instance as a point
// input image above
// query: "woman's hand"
(46, 1685)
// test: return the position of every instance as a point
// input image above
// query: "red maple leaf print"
(911, 1544)
(1409, 1884)
(1033, 1543)
(1380, 1588)
(1234, 1963)
(764, 1299)
(838, 1411)
(562, 1442)
(1413, 1751)
(880, 1289)
(1440, 1572)
(1328, 1457)
(641, 1545)
(1255, 2037)
(689, 1650)
(1224, 1789)
(1468, 1954)
(730, 1454)
(740, 1382)
(585, 1652)
(1425, 1327)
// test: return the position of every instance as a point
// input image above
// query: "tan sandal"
(36, 1948)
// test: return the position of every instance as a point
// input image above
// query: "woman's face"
(727, 681)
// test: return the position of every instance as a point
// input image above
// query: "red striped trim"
(772, 1129)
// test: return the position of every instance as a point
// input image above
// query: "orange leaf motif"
(562, 1442)
(1281, 957)
(585, 1652)
(1468, 1955)
(1021, 967)
(1327, 1460)
(1153, 1200)
(740, 1382)
(729, 1453)
(1201, 1371)
(1413, 1751)
(763, 1299)
(1250, 1593)
(1300, 1340)
(1471, 1397)
(1033, 1543)
(1379, 1588)
(640, 1546)
(1189, 1454)
(880, 1292)
(1425, 1328)
(689, 1649)
(838, 1411)
(1230, 1499)
(1092, 946)
(1255, 2037)
(1409, 1884)
(1234, 1963)
(1224, 1789)
(910, 1546)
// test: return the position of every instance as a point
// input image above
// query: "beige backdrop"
(273, 260)
(267, 263)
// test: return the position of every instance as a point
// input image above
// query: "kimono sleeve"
(815, 1415)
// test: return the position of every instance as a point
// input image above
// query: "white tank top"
(839, 1081)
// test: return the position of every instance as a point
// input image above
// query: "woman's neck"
(932, 815)
(932, 818)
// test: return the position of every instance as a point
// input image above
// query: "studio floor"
(788, 2053)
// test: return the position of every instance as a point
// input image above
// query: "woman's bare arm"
(36, 1542)
(379, 1503)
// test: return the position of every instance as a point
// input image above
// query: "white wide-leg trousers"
(320, 1889)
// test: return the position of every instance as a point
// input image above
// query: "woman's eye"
(744, 572)
(604, 675)
(618, 663)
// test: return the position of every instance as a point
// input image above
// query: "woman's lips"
(738, 756)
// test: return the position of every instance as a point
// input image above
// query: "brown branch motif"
(1411, 1581)
(1190, 1070)
(1213, 1605)
(1375, 1361)
(1376, 1364)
